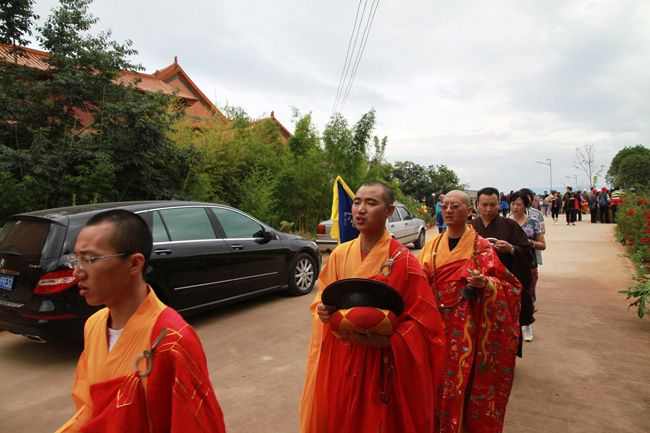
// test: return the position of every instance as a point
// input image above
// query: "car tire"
(421, 240)
(302, 274)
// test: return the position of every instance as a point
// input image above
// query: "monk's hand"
(324, 312)
(478, 281)
(374, 340)
(502, 246)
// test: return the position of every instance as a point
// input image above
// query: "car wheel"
(420, 241)
(302, 275)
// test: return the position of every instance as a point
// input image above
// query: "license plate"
(6, 282)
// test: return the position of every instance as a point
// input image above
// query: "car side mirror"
(265, 236)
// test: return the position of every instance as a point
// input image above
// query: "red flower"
(642, 201)
(630, 212)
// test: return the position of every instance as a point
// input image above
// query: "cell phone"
(493, 240)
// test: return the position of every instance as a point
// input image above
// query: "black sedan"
(204, 255)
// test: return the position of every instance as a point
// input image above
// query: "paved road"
(588, 369)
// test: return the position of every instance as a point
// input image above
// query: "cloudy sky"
(485, 88)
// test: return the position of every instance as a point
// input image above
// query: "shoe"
(573, 224)
(528, 332)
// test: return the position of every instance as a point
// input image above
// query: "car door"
(258, 258)
(410, 227)
(189, 259)
(396, 225)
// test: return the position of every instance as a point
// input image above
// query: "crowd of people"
(431, 346)
(477, 279)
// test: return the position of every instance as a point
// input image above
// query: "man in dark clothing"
(603, 206)
(593, 205)
(512, 247)
(569, 200)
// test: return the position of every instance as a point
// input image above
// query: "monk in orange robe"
(479, 302)
(143, 368)
(345, 387)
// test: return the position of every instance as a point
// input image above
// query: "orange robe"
(342, 387)
(482, 335)
(176, 396)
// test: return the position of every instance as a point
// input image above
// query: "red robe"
(482, 335)
(342, 387)
(177, 394)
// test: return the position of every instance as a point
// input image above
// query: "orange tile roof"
(35, 59)
(174, 71)
(150, 83)
(198, 103)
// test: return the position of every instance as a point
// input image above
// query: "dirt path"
(588, 368)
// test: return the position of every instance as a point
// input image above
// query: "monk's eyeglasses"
(453, 206)
(74, 261)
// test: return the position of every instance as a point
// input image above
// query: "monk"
(343, 386)
(143, 368)
(512, 248)
(478, 299)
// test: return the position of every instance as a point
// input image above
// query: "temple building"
(168, 80)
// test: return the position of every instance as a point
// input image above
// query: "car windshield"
(31, 238)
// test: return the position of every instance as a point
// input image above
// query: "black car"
(204, 255)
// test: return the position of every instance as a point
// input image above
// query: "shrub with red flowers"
(633, 225)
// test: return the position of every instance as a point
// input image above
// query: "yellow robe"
(183, 393)
(417, 345)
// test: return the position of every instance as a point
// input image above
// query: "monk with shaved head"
(478, 300)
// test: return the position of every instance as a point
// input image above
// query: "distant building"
(198, 107)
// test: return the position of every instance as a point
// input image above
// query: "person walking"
(593, 205)
(503, 205)
(519, 202)
(170, 389)
(569, 206)
(603, 206)
(479, 302)
(556, 204)
(370, 382)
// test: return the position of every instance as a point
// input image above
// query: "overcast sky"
(485, 88)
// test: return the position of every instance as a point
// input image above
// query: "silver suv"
(403, 226)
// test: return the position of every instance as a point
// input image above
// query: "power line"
(363, 47)
(350, 66)
(347, 57)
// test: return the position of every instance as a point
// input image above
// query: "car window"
(32, 238)
(187, 224)
(404, 213)
(394, 217)
(236, 225)
(159, 231)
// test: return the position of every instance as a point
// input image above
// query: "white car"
(403, 226)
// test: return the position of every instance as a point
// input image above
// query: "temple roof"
(168, 80)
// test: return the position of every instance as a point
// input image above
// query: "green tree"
(413, 179)
(615, 166)
(304, 183)
(81, 131)
(444, 179)
(378, 168)
(634, 171)
(305, 137)
(16, 20)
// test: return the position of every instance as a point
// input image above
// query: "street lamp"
(575, 176)
(550, 171)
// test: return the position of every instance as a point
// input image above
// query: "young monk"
(343, 390)
(170, 389)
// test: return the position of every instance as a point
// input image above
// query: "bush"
(633, 226)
